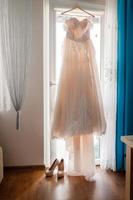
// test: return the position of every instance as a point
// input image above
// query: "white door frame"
(46, 128)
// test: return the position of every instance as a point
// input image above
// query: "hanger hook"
(76, 5)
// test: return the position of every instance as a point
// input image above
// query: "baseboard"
(37, 167)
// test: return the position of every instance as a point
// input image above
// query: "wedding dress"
(79, 109)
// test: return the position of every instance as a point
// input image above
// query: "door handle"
(52, 83)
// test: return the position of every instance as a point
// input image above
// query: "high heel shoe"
(50, 171)
(60, 173)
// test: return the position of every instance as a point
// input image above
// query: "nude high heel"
(50, 171)
(60, 173)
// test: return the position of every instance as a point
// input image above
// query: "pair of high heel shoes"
(60, 173)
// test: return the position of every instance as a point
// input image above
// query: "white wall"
(85, 4)
(25, 147)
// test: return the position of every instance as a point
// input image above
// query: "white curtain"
(15, 29)
(5, 102)
(109, 85)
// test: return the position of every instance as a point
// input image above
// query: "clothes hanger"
(77, 7)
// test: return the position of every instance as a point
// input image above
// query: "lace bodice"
(78, 30)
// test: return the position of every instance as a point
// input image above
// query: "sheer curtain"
(107, 148)
(15, 29)
(5, 102)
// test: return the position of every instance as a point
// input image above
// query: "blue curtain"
(124, 78)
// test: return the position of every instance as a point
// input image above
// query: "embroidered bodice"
(78, 30)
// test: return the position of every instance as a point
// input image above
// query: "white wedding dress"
(79, 110)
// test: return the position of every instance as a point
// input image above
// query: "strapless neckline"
(83, 23)
(80, 21)
(78, 30)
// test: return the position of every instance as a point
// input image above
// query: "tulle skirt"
(79, 107)
(79, 110)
